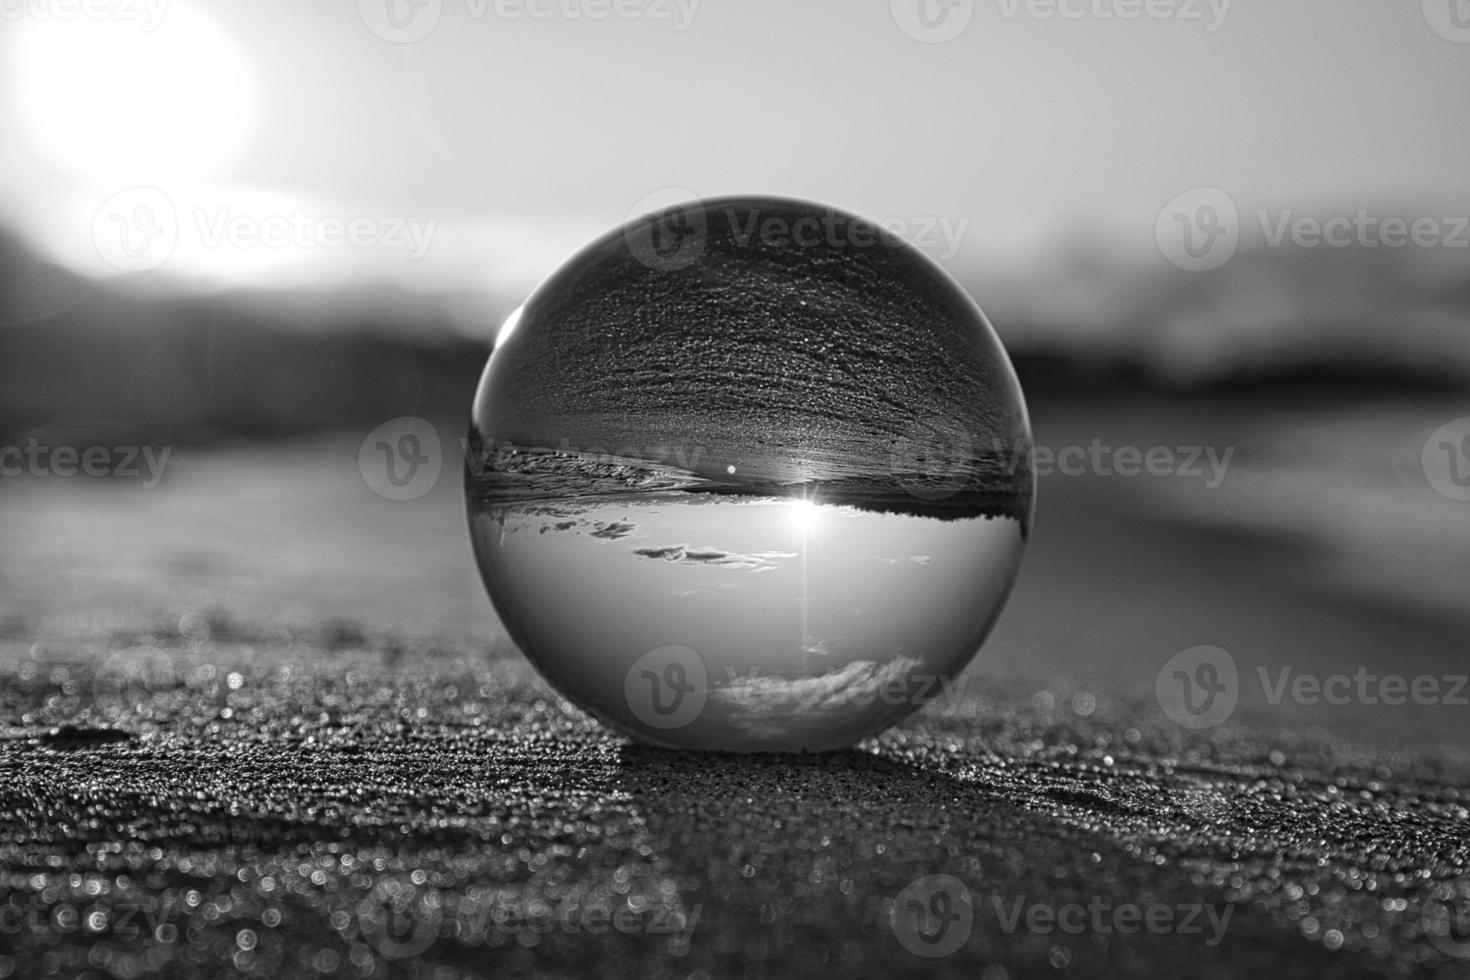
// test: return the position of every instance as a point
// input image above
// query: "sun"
(806, 514)
(121, 100)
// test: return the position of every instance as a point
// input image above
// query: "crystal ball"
(749, 474)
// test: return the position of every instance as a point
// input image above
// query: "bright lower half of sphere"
(739, 488)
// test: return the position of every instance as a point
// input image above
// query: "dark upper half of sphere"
(778, 335)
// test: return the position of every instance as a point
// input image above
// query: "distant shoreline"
(510, 475)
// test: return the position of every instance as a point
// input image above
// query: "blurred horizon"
(1342, 323)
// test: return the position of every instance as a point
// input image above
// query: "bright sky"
(286, 142)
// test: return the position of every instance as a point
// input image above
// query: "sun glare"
(805, 514)
(118, 100)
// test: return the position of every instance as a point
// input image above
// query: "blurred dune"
(82, 356)
(254, 363)
(1358, 316)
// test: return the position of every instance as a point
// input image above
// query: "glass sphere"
(749, 474)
